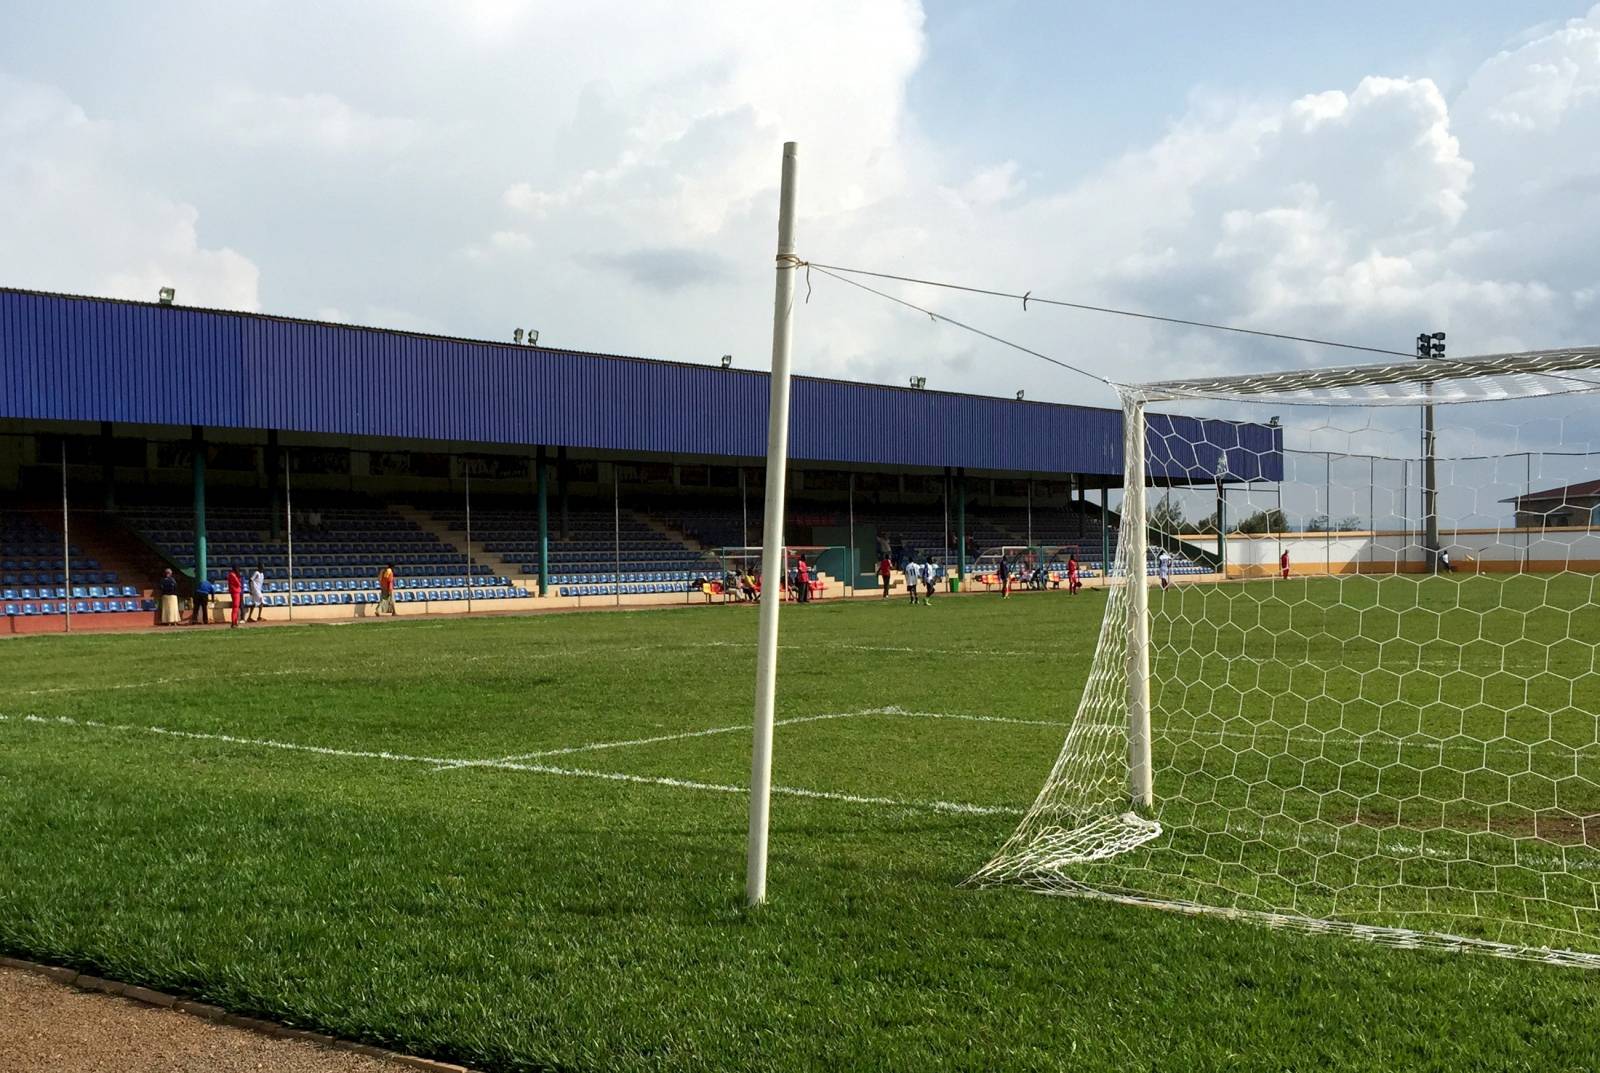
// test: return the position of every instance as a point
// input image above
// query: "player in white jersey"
(913, 571)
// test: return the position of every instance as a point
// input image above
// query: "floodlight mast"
(773, 571)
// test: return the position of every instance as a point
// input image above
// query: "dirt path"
(51, 1026)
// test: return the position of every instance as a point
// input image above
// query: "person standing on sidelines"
(885, 568)
(1073, 584)
(258, 595)
(1164, 569)
(931, 573)
(202, 602)
(235, 596)
(167, 599)
(802, 576)
(1005, 578)
(913, 571)
(386, 590)
(1283, 565)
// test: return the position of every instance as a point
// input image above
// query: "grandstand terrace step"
(599, 547)
(441, 531)
(32, 555)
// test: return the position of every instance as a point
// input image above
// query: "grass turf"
(553, 919)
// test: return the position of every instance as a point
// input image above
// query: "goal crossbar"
(1529, 373)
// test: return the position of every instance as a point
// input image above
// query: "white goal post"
(1381, 720)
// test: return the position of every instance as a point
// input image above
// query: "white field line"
(1405, 938)
(737, 727)
(895, 649)
(954, 807)
(596, 746)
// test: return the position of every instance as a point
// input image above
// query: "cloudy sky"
(606, 173)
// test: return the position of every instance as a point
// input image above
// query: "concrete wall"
(1479, 550)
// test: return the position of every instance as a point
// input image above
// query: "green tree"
(1264, 521)
(1167, 517)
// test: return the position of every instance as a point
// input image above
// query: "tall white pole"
(616, 532)
(1141, 784)
(854, 567)
(1030, 515)
(946, 493)
(288, 510)
(772, 564)
(66, 542)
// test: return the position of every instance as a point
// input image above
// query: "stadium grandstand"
(137, 437)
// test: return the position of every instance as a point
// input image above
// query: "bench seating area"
(80, 599)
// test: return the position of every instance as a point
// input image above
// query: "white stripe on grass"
(953, 807)
(596, 746)
(737, 727)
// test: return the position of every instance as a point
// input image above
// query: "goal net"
(1378, 711)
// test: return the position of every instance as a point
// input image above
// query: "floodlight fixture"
(727, 361)
(919, 382)
(533, 337)
(1019, 394)
(168, 295)
(516, 336)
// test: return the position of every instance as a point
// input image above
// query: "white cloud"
(1535, 86)
(317, 121)
(72, 220)
(615, 185)
(993, 185)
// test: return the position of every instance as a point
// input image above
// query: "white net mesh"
(1365, 745)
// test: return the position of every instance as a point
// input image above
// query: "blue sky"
(607, 173)
(1061, 87)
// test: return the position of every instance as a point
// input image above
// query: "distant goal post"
(741, 561)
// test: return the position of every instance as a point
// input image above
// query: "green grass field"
(300, 823)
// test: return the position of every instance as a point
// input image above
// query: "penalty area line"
(891, 710)
(949, 807)
(596, 746)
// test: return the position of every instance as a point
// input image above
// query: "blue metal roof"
(92, 359)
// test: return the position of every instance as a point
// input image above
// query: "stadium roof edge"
(468, 340)
(85, 358)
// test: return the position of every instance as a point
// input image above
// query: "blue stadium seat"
(11, 610)
(29, 609)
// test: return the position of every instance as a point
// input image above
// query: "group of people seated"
(744, 584)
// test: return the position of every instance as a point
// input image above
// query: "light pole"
(1222, 515)
(1430, 346)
